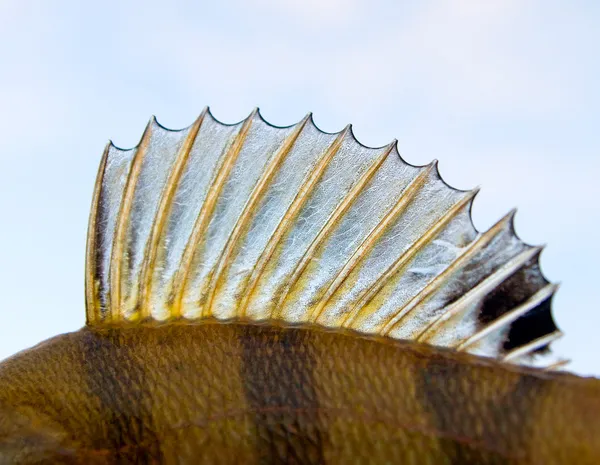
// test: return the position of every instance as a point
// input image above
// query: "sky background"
(505, 94)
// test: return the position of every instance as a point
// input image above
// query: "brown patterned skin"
(235, 393)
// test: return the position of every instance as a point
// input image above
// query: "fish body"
(259, 294)
(243, 393)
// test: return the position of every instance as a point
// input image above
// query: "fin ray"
(405, 258)
(407, 195)
(289, 215)
(509, 317)
(123, 218)
(181, 277)
(93, 314)
(162, 212)
(248, 210)
(432, 286)
(481, 289)
(328, 226)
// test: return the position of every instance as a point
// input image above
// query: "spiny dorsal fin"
(255, 222)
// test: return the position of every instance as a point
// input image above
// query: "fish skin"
(258, 394)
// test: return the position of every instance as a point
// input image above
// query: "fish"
(261, 294)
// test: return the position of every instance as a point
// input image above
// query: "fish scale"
(225, 393)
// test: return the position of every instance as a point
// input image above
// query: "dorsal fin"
(255, 222)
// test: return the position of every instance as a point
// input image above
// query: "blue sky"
(504, 93)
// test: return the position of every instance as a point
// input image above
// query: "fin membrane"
(256, 222)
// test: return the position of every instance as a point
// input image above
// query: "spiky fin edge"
(95, 315)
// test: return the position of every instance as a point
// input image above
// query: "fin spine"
(206, 211)
(558, 365)
(300, 199)
(369, 242)
(532, 346)
(331, 222)
(440, 279)
(166, 200)
(248, 211)
(92, 305)
(407, 256)
(481, 289)
(123, 220)
(540, 296)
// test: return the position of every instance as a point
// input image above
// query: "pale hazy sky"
(506, 94)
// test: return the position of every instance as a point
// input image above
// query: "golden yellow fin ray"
(163, 210)
(204, 217)
(290, 214)
(250, 207)
(123, 219)
(332, 221)
(406, 257)
(92, 298)
(372, 238)
(432, 286)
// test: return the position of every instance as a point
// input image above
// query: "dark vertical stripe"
(277, 374)
(482, 422)
(117, 382)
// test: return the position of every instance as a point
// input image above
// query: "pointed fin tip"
(531, 347)
(349, 128)
(559, 365)
(152, 122)
(434, 165)
(472, 195)
(345, 133)
(438, 172)
(511, 215)
(508, 220)
(344, 130)
(200, 118)
(389, 148)
(255, 113)
(433, 168)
